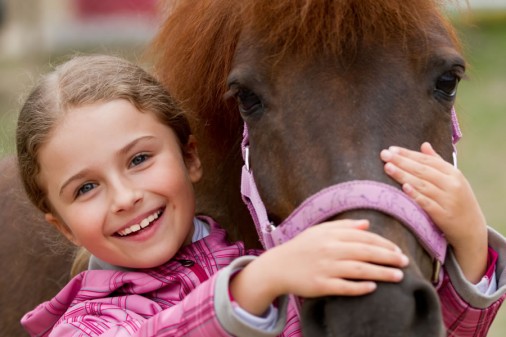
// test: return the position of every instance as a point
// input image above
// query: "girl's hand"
(333, 258)
(446, 195)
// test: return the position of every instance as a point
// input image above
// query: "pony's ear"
(192, 160)
(61, 227)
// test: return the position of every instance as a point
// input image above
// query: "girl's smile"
(137, 227)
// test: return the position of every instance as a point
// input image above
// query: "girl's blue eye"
(85, 188)
(139, 159)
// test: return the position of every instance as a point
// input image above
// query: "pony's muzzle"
(408, 309)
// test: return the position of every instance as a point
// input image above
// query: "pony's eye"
(247, 101)
(447, 84)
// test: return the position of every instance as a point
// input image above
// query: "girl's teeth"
(144, 223)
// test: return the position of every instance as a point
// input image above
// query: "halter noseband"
(346, 196)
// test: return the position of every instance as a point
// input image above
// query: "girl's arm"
(446, 195)
(322, 260)
(466, 310)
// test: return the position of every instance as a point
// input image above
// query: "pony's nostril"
(410, 308)
(427, 307)
(421, 302)
(314, 312)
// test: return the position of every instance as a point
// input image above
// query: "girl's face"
(119, 184)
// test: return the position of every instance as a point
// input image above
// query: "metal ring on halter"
(246, 158)
(436, 271)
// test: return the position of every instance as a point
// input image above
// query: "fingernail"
(394, 149)
(372, 286)
(389, 168)
(386, 155)
(364, 224)
(398, 274)
(404, 260)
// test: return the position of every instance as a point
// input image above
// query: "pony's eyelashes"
(446, 85)
(448, 70)
(247, 100)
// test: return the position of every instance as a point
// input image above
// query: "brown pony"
(323, 86)
(33, 268)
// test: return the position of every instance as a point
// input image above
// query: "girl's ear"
(192, 160)
(61, 227)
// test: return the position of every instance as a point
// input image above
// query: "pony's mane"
(193, 53)
(195, 47)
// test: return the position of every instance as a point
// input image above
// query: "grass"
(481, 106)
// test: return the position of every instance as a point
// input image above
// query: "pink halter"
(333, 200)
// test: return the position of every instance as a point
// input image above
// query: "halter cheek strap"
(352, 195)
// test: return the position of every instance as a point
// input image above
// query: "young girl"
(109, 158)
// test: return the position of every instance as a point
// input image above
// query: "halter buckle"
(436, 271)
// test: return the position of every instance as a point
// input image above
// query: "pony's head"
(323, 87)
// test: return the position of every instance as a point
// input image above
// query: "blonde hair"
(85, 80)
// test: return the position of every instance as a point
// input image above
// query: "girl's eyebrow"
(121, 152)
(134, 142)
(77, 176)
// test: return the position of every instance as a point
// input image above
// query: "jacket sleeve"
(466, 311)
(228, 316)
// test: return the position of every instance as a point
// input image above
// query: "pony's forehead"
(337, 25)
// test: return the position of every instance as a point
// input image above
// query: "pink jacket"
(188, 297)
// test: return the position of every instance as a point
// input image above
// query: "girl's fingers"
(426, 187)
(420, 168)
(428, 196)
(368, 253)
(331, 229)
(434, 182)
(426, 158)
(354, 280)
(341, 287)
(428, 149)
(430, 204)
(358, 270)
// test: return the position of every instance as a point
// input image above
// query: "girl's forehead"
(103, 125)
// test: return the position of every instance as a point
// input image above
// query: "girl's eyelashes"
(85, 188)
(139, 159)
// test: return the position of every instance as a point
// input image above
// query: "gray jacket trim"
(466, 289)
(225, 312)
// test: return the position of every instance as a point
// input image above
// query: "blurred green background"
(481, 106)
(481, 103)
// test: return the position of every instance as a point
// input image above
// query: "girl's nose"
(125, 196)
